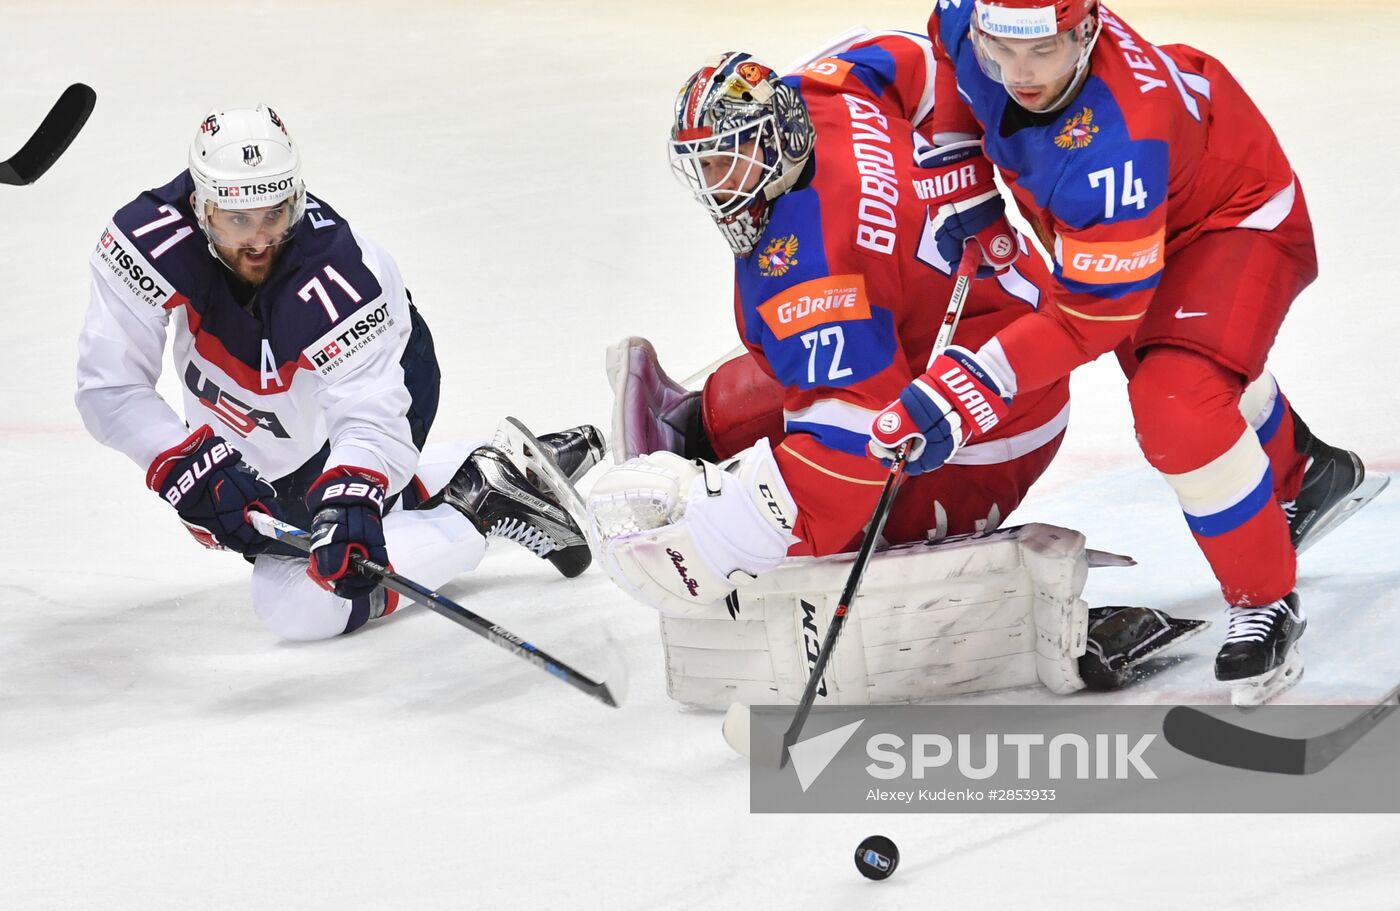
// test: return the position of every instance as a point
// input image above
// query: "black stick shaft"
(967, 268)
(491, 632)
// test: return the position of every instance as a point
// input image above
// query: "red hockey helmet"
(1007, 18)
(1038, 49)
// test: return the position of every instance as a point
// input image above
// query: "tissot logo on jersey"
(339, 346)
(811, 303)
(132, 269)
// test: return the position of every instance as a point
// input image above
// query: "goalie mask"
(248, 191)
(740, 139)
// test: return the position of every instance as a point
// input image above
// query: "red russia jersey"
(1159, 145)
(845, 292)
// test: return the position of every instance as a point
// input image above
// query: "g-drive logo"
(978, 757)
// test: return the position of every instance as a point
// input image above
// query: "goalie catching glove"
(686, 533)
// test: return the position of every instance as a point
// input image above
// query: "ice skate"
(1335, 485)
(498, 499)
(553, 462)
(1260, 657)
(1120, 639)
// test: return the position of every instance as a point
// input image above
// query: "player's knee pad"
(685, 533)
(740, 405)
(294, 607)
(1185, 408)
(960, 616)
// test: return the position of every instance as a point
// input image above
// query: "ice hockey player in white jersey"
(309, 382)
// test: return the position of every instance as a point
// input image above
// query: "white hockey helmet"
(245, 159)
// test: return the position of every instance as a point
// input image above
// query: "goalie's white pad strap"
(685, 533)
(962, 616)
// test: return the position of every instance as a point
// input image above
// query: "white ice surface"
(158, 749)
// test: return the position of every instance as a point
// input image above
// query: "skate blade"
(1255, 691)
(1177, 632)
(535, 462)
(1364, 493)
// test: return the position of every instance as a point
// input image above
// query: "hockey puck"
(876, 857)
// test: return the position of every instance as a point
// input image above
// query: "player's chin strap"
(407, 588)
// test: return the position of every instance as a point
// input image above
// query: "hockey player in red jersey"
(822, 183)
(310, 380)
(1180, 237)
(839, 295)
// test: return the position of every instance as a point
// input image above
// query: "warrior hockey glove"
(347, 504)
(212, 489)
(968, 207)
(937, 413)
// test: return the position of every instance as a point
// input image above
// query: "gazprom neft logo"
(1004, 22)
(1073, 756)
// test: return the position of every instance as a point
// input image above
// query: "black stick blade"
(1207, 737)
(62, 125)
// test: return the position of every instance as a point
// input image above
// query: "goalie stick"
(1219, 741)
(62, 125)
(771, 749)
(491, 632)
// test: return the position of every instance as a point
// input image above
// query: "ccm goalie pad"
(965, 615)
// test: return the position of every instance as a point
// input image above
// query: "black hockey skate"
(554, 462)
(1260, 658)
(1120, 639)
(575, 450)
(490, 491)
(1334, 486)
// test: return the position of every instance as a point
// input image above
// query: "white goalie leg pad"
(650, 409)
(681, 535)
(964, 615)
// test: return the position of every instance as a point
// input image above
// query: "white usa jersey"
(324, 350)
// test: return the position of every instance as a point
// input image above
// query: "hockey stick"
(491, 632)
(1215, 740)
(53, 137)
(738, 727)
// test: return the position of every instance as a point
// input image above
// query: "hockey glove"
(213, 489)
(937, 413)
(969, 207)
(346, 504)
